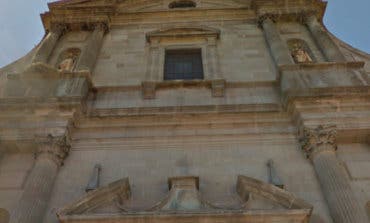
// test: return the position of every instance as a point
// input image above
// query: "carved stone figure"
(301, 56)
(68, 61)
(66, 64)
(300, 51)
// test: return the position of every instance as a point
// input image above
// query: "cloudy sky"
(21, 29)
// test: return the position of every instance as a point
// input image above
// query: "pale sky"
(21, 28)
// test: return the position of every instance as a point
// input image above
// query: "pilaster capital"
(266, 17)
(316, 140)
(53, 147)
(310, 18)
(96, 26)
(58, 28)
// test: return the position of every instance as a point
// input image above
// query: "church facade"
(158, 111)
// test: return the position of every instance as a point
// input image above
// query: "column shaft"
(324, 41)
(37, 191)
(90, 53)
(337, 190)
(320, 146)
(47, 46)
(278, 47)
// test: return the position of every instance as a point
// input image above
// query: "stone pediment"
(259, 202)
(183, 32)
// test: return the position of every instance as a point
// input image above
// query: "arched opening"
(68, 59)
(300, 51)
(182, 4)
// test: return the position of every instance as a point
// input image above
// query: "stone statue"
(68, 63)
(301, 56)
(299, 51)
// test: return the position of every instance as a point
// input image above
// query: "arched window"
(300, 51)
(68, 59)
(182, 4)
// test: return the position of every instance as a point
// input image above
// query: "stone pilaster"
(323, 40)
(47, 45)
(37, 190)
(91, 50)
(278, 47)
(320, 146)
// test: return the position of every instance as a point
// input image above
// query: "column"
(37, 190)
(47, 45)
(278, 47)
(324, 41)
(320, 147)
(90, 52)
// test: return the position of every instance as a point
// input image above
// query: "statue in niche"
(68, 60)
(300, 51)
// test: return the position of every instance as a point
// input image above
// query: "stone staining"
(68, 59)
(300, 51)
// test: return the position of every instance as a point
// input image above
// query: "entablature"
(81, 15)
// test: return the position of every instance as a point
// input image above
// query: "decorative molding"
(247, 185)
(183, 32)
(185, 200)
(320, 139)
(117, 191)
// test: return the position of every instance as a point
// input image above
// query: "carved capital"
(314, 141)
(100, 26)
(266, 17)
(59, 28)
(55, 148)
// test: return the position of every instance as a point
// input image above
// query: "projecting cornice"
(78, 14)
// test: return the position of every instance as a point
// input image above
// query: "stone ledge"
(217, 86)
(320, 66)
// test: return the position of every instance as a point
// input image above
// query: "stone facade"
(265, 136)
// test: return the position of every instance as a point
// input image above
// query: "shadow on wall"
(4, 216)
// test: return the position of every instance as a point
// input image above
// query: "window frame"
(195, 74)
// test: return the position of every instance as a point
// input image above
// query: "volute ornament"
(318, 139)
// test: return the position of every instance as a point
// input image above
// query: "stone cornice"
(80, 15)
(320, 139)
